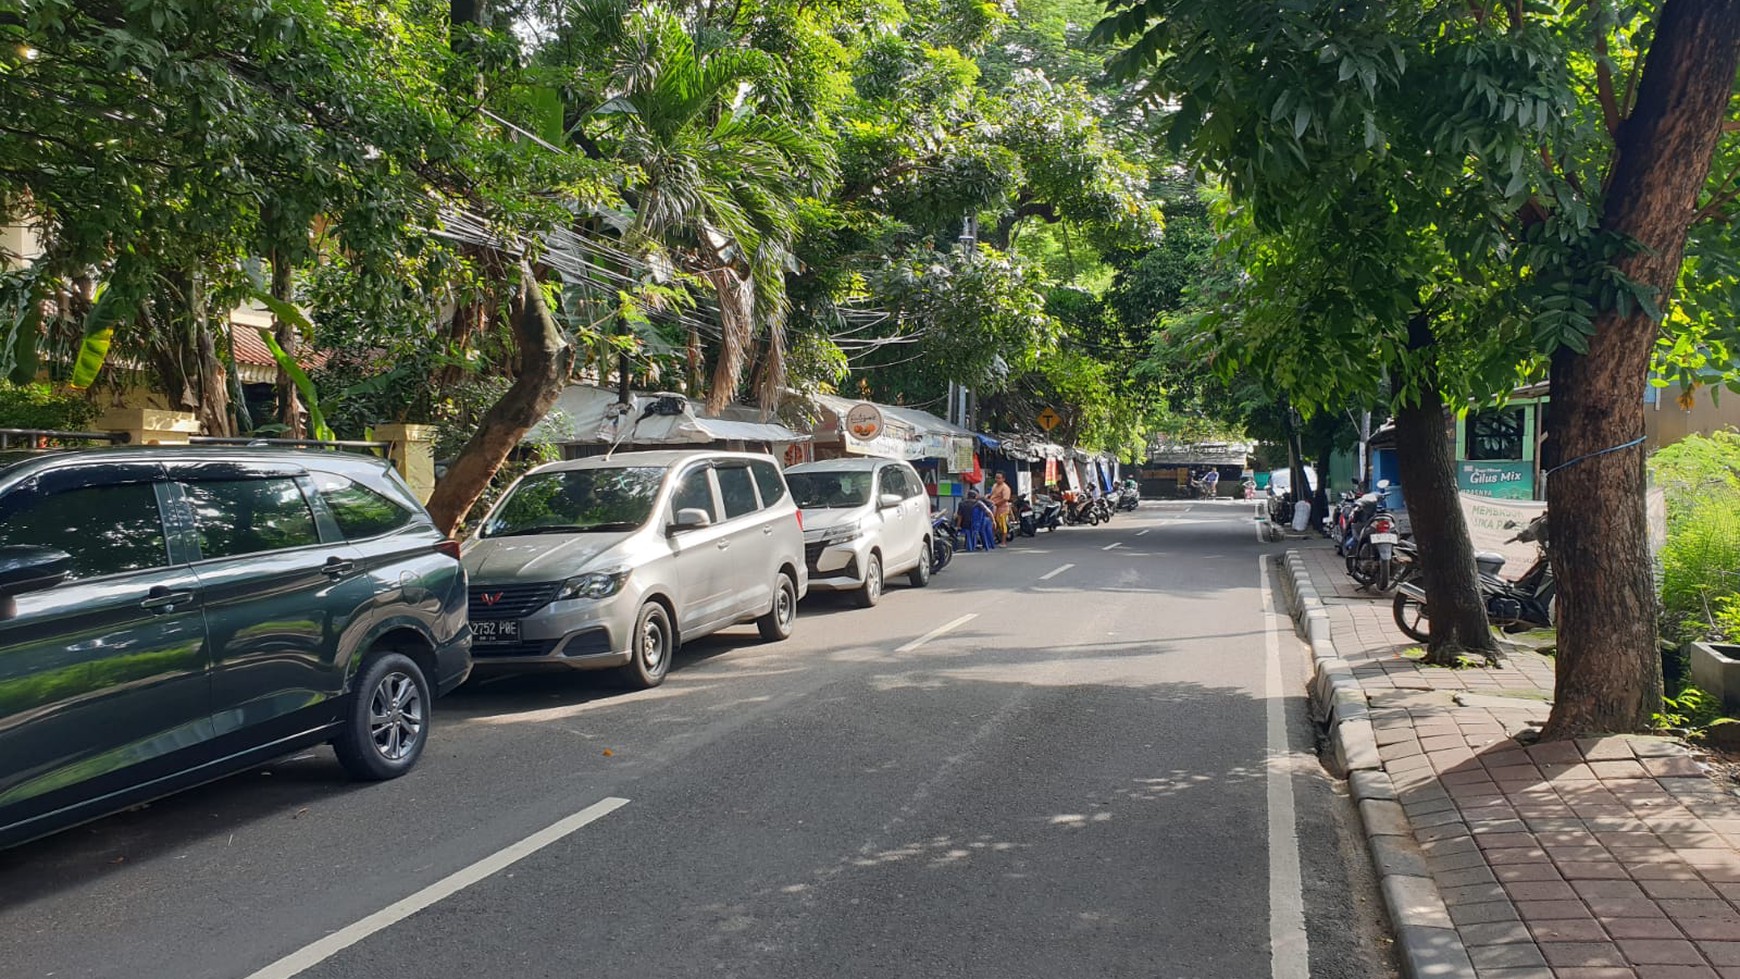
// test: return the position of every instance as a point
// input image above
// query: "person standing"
(1002, 505)
(1211, 482)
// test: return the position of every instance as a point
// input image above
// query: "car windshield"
(577, 501)
(830, 490)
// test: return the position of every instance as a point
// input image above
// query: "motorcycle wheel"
(1358, 567)
(1383, 582)
(941, 553)
(1411, 617)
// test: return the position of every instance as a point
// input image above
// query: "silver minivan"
(615, 562)
(864, 519)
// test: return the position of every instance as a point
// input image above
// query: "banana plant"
(288, 313)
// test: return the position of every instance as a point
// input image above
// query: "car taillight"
(449, 548)
(800, 516)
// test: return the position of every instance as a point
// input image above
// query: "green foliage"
(1695, 466)
(1701, 564)
(39, 406)
(1694, 712)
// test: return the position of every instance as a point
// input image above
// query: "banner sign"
(960, 455)
(1050, 472)
(1492, 522)
(1503, 480)
(1024, 482)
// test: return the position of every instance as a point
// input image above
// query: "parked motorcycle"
(1100, 510)
(944, 538)
(1370, 540)
(1129, 498)
(1049, 515)
(1022, 522)
(1527, 603)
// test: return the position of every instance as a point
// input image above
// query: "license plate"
(506, 630)
(1385, 538)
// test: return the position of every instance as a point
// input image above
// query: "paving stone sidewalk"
(1610, 858)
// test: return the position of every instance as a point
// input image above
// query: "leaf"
(1301, 120)
(316, 421)
(99, 333)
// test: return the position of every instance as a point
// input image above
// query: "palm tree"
(716, 177)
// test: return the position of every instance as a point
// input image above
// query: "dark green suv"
(170, 615)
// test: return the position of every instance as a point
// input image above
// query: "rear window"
(359, 511)
(737, 488)
(234, 517)
(768, 479)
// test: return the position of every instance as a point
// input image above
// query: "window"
(234, 517)
(906, 482)
(695, 492)
(768, 479)
(578, 501)
(738, 489)
(889, 479)
(106, 529)
(360, 511)
(1496, 434)
(822, 489)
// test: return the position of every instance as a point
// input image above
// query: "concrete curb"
(1426, 939)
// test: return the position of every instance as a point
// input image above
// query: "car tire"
(919, 576)
(776, 624)
(386, 724)
(650, 649)
(871, 593)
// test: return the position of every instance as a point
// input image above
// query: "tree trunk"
(545, 362)
(1608, 670)
(289, 401)
(1427, 463)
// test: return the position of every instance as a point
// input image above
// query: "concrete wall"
(1665, 422)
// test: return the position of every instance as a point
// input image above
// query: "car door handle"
(160, 599)
(337, 567)
(724, 544)
(767, 529)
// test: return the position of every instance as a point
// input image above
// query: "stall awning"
(586, 415)
(908, 433)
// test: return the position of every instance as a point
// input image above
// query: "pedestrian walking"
(1211, 482)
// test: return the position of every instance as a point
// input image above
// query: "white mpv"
(864, 519)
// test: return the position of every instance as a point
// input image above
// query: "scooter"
(1529, 602)
(1049, 516)
(1022, 523)
(1129, 499)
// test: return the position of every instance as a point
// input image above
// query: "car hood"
(536, 557)
(823, 518)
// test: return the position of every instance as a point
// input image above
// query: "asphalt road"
(1073, 777)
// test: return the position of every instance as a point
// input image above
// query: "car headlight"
(593, 584)
(841, 535)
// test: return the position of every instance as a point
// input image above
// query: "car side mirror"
(26, 569)
(890, 500)
(689, 518)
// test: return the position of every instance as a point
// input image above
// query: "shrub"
(39, 406)
(1691, 468)
(1701, 564)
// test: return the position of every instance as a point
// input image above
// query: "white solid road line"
(309, 956)
(1289, 947)
(939, 630)
(1112, 545)
(1047, 576)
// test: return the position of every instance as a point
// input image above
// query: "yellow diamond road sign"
(1049, 419)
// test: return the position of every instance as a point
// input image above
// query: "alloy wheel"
(396, 716)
